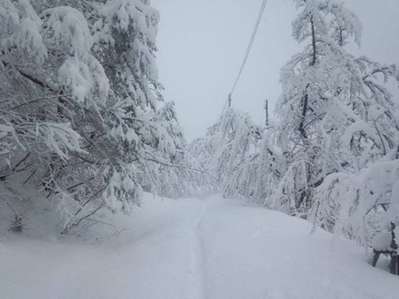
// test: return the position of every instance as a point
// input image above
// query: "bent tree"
(82, 116)
(335, 113)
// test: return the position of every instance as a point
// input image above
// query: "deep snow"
(192, 249)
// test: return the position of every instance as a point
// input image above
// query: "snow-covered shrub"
(361, 204)
(17, 225)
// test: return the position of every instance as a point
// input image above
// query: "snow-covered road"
(195, 249)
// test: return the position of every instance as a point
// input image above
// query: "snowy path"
(195, 249)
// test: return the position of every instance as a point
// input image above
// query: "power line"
(249, 48)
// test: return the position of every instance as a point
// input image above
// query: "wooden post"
(267, 113)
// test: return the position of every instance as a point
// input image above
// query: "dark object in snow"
(394, 265)
(391, 250)
(17, 225)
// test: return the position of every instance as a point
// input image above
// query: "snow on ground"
(193, 249)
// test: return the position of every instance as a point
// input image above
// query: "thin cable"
(250, 45)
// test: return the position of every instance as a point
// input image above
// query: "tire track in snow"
(197, 274)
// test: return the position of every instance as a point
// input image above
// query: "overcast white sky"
(201, 44)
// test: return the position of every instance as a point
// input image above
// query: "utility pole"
(230, 100)
(267, 113)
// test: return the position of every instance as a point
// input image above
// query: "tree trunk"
(314, 48)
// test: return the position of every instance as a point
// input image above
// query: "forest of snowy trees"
(331, 155)
(83, 121)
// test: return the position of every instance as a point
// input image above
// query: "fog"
(202, 43)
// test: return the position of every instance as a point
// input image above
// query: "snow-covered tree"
(81, 106)
(198, 156)
(310, 81)
(334, 115)
(257, 176)
(223, 154)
